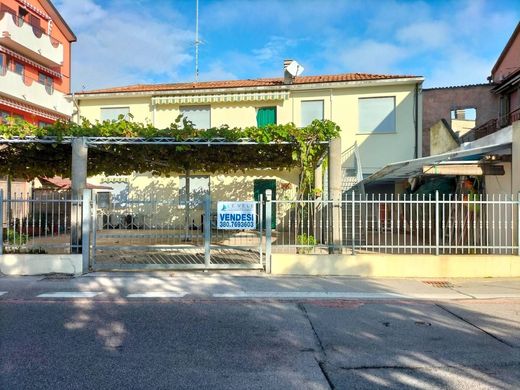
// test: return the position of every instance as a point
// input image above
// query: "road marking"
(309, 294)
(70, 294)
(2, 293)
(158, 294)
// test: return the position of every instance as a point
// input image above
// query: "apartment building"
(35, 62)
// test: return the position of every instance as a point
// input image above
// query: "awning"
(32, 109)
(26, 60)
(66, 184)
(221, 98)
(411, 168)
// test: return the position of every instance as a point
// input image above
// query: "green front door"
(266, 116)
(260, 187)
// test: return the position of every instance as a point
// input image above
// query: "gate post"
(207, 231)
(85, 230)
(1, 221)
(335, 176)
(268, 218)
(78, 184)
(437, 227)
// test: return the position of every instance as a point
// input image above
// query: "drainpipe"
(330, 104)
(416, 124)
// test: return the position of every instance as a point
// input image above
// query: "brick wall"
(438, 103)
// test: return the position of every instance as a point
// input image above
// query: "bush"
(308, 241)
(13, 237)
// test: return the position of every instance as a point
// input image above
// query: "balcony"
(491, 126)
(31, 91)
(31, 41)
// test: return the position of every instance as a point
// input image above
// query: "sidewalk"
(258, 285)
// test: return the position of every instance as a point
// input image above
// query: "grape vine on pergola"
(122, 147)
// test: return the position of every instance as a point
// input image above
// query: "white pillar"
(335, 193)
(78, 183)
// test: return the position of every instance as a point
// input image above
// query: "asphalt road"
(191, 343)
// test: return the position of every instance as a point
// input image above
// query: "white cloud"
(217, 71)
(459, 68)
(425, 35)
(371, 56)
(125, 45)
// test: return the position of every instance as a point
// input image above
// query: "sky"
(123, 42)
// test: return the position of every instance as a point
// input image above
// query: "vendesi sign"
(236, 215)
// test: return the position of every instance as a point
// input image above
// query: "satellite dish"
(295, 69)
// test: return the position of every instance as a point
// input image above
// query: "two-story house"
(379, 115)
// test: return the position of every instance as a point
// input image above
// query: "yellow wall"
(340, 106)
(441, 140)
(402, 266)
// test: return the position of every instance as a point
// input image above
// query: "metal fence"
(413, 224)
(39, 224)
(166, 233)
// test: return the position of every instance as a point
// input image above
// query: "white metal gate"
(163, 234)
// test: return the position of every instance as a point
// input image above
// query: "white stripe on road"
(158, 294)
(309, 294)
(2, 293)
(69, 294)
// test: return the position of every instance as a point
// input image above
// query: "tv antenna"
(197, 42)
(294, 68)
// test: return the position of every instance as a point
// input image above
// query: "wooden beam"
(464, 170)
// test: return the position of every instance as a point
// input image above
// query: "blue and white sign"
(236, 215)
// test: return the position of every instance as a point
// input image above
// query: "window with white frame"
(200, 116)
(311, 110)
(113, 113)
(199, 188)
(377, 115)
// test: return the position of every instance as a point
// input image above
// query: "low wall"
(386, 265)
(40, 264)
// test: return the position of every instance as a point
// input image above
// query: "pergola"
(80, 150)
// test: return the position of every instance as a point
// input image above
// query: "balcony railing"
(28, 80)
(491, 126)
(31, 90)
(32, 37)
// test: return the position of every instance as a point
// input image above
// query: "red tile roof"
(66, 184)
(267, 82)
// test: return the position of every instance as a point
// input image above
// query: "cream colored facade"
(237, 107)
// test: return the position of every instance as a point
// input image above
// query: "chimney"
(287, 77)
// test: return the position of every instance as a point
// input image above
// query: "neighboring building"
(451, 105)
(35, 61)
(380, 116)
(489, 152)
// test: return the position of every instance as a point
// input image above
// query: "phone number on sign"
(236, 224)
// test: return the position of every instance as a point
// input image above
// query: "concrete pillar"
(79, 183)
(318, 213)
(335, 193)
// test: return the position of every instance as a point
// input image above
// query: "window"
(22, 12)
(377, 115)
(266, 116)
(199, 188)
(113, 113)
(2, 63)
(311, 109)
(18, 68)
(200, 116)
(46, 80)
(42, 124)
(463, 120)
(3, 116)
